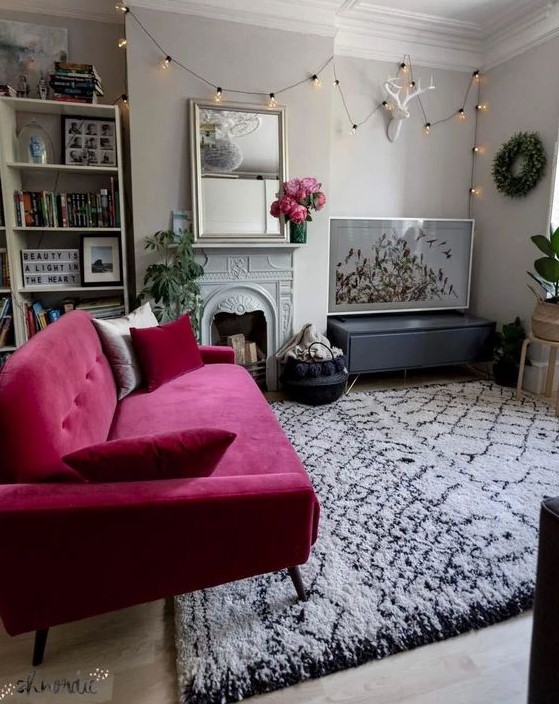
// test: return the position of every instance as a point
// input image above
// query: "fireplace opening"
(247, 335)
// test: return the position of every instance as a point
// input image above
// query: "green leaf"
(555, 241)
(548, 269)
(544, 245)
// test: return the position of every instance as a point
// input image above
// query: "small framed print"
(88, 141)
(101, 260)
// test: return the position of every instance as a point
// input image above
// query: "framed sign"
(58, 268)
(88, 141)
(101, 260)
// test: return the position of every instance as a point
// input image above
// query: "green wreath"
(527, 146)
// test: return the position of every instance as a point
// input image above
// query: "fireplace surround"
(243, 280)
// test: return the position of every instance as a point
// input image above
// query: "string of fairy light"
(404, 72)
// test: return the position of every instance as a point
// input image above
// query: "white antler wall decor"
(399, 108)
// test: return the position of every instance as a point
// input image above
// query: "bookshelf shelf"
(8, 348)
(66, 229)
(64, 168)
(68, 289)
(16, 176)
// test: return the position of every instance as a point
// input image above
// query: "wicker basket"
(315, 390)
(545, 321)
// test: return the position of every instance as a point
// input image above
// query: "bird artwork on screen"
(382, 265)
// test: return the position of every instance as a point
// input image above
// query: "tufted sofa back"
(57, 394)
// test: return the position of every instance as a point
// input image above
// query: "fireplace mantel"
(241, 279)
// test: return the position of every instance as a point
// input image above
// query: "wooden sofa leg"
(295, 574)
(39, 647)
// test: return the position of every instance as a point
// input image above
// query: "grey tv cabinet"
(384, 342)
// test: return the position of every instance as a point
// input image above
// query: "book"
(83, 210)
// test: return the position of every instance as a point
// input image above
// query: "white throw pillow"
(117, 345)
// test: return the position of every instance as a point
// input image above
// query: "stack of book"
(75, 83)
(103, 307)
(38, 318)
(48, 209)
(4, 269)
(5, 321)
(7, 91)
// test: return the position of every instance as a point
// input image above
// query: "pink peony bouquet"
(297, 198)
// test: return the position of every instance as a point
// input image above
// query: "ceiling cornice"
(361, 28)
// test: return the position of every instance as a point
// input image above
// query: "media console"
(384, 342)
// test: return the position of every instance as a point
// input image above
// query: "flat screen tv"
(380, 265)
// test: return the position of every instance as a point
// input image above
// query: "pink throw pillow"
(182, 454)
(166, 351)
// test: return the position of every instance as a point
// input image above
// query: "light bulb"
(476, 75)
(411, 84)
(475, 191)
(336, 82)
(316, 81)
(462, 114)
(386, 105)
(404, 67)
(121, 7)
(124, 98)
(167, 62)
(272, 102)
(427, 127)
(475, 149)
(353, 129)
(122, 42)
(481, 106)
(217, 96)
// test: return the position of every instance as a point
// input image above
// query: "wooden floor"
(136, 646)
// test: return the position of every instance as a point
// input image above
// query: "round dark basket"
(315, 390)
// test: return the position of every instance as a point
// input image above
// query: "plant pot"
(505, 372)
(298, 232)
(545, 321)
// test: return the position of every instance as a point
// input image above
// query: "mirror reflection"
(239, 158)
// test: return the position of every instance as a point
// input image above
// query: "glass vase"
(298, 232)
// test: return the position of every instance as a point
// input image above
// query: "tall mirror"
(238, 164)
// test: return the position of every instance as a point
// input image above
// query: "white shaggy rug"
(430, 502)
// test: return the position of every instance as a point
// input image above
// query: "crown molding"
(529, 31)
(98, 11)
(361, 28)
(311, 17)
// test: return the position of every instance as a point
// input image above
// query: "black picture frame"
(90, 131)
(99, 278)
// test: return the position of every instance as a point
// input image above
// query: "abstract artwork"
(30, 50)
(401, 264)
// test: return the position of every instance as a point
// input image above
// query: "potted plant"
(545, 319)
(172, 281)
(506, 353)
(294, 203)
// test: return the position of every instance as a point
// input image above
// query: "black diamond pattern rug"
(430, 501)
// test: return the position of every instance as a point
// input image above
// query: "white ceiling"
(456, 34)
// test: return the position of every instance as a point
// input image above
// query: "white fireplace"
(244, 280)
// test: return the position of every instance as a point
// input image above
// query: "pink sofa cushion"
(183, 454)
(220, 396)
(57, 394)
(166, 351)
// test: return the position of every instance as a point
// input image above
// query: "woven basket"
(545, 321)
(315, 391)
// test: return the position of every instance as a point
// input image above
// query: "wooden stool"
(553, 347)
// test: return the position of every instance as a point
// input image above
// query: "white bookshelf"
(15, 113)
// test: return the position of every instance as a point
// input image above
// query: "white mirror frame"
(195, 106)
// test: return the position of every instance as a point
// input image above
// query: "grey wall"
(362, 174)
(88, 42)
(522, 95)
(419, 174)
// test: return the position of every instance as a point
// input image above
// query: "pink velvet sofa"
(70, 551)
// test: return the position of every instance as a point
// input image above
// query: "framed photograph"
(181, 223)
(88, 141)
(379, 265)
(101, 260)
